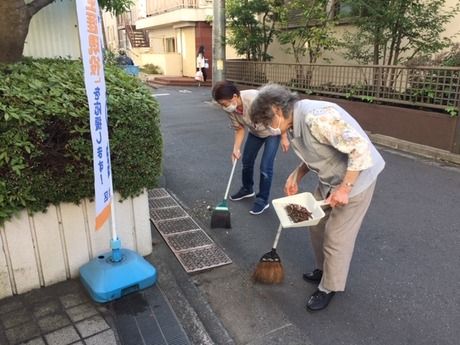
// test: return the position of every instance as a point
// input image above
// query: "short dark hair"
(224, 90)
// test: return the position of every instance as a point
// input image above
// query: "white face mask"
(275, 131)
(230, 108)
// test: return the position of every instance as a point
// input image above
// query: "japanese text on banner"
(91, 51)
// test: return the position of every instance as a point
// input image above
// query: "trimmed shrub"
(45, 138)
(151, 69)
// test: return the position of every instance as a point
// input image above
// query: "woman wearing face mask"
(237, 103)
(330, 143)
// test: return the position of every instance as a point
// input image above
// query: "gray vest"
(325, 160)
(329, 163)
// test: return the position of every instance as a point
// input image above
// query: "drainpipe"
(181, 51)
(218, 41)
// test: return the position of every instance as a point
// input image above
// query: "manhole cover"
(188, 240)
(167, 213)
(162, 202)
(172, 226)
(158, 193)
(203, 258)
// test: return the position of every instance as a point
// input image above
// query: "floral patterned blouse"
(328, 127)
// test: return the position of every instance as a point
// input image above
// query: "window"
(348, 9)
(170, 45)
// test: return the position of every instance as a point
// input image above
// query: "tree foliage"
(391, 32)
(252, 24)
(314, 33)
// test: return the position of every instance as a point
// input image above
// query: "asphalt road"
(404, 282)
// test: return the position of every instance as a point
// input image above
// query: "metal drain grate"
(189, 239)
(173, 226)
(194, 249)
(203, 258)
(162, 202)
(158, 193)
(167, 213)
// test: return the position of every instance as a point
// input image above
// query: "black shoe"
(242, 194)
(313, 277)
(319, 300)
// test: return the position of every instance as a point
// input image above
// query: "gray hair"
(261, 111)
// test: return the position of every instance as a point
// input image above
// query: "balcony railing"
(155, 7)
(428, 87)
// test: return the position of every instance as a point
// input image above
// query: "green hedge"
(45, 140)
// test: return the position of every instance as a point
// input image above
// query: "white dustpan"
(304, 199)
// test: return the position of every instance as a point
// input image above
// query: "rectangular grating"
(158, 193)
(203, 258)
(172, 226)
(187, 240)
(162, 202)
(167, 213)
(194, 249)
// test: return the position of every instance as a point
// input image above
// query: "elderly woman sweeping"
(330, 143)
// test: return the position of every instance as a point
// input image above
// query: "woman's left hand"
(339, 197)
(284, 143)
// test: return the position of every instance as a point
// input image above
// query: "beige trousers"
(333, 239)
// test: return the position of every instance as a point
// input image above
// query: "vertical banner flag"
(93, 63)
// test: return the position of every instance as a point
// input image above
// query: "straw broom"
(269, 270)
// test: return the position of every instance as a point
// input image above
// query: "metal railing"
(428, 87)
(155, 7)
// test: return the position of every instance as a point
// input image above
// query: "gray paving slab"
(105, 338)
(93, 325)
(53, 322)
(15, 317)
(45, 308)
(73, 299)
(22, 332)
(63, 336)
(81, 312)
(36, 341)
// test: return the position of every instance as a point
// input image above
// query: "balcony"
(164, 13)
(156, 7)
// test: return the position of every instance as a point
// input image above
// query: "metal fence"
(428, 87)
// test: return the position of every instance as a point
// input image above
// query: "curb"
(414, 148)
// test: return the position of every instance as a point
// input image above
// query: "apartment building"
(175, 30)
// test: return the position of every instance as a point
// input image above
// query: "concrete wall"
(53, 32)
(50, 247)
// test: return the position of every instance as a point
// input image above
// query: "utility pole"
(218, 41)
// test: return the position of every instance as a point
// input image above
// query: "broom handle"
(230, 179)
(277, 236)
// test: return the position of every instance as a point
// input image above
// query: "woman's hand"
(291, 186)
(339, 197)
(284, 142)
(236, 154)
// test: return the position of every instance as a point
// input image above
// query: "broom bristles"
(220, 219)
(268, 273)
(269, 270)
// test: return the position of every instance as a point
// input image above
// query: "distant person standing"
(123, 59)
(201, 63)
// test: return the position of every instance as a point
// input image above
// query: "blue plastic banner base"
(107, 280)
